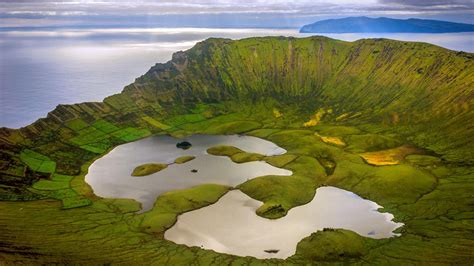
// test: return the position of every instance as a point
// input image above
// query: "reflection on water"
(40, 69)
(110, 176)
(236, 229)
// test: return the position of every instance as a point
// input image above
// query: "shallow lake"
(231, 225)
(110, 176)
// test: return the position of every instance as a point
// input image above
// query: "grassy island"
(148, 169)
(235, 154)
(184, 159)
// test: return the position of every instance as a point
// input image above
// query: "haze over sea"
(41, 68)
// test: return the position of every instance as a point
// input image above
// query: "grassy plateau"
(391, 121)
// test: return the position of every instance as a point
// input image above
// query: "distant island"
(385, 25)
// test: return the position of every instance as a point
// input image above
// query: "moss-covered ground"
(184, 159)
(49, 214)
(148, 169)
(235, 154)
(391, 156)
(423, 192)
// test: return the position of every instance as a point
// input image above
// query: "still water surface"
(231, 225)
(110, 176)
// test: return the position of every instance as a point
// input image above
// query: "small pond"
(231, 226)
(110, 176)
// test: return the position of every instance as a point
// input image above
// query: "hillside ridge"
(385, 25)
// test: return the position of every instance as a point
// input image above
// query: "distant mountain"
(385, 25)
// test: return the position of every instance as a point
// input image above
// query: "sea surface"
(42, 68)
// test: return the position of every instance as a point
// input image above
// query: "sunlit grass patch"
(341, 117)
(156, 123)
(277, 113)
(37, 161)
(389, 156)
(315, 119)
(98, 147)
(131, 134)
(61, 178)
(105, 126)
(333, 140)
(50, 185)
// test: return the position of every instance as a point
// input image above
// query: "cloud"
(431, 3)
(243, 9)
(160, 7)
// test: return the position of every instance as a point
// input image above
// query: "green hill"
(421, 90)
(383, 24)
(325, 101)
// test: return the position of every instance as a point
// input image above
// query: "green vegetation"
(370, 142)
(280, 160)
(332, 245)
(37, 162)
(59, 187)
(390, 156)
(244, 157)
(169, 205)
(223, 150)
(184, 159)
(234, 127)
(235, 154)
(406, 93)
(281, 193)
(148, 169)
(422, 160)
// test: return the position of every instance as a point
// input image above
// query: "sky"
(222, 13)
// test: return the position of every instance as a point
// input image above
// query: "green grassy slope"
(371, 94)
(413, 87)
